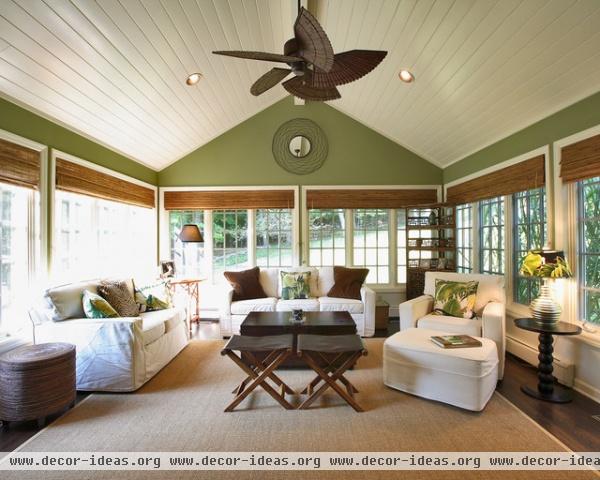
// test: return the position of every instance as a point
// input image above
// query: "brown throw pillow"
(348, 282)
(119, 296)
(245, 284)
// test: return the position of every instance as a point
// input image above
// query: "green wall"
(573, 119)
(29, 125)
(357, 154)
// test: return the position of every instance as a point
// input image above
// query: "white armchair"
(490, 321)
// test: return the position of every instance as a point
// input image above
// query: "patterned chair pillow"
(295, 285)
(119, 296)
(95, 306)
(455, 299)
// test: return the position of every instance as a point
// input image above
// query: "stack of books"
(456, 341)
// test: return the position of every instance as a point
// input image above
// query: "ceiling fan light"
(406, 76)
(193, 78)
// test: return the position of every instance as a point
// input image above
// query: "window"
(401, 245)
(188, 257)
(96, 238)
(464, 238)
(589, 248)
(230, 240)
(327, 237)
(491, 235)
(19, 250)
(273, 237)
(371, 243)
(529, 232)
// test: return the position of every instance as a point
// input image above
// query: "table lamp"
(548, 265)
(190, 233)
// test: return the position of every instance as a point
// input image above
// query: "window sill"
(589, 338)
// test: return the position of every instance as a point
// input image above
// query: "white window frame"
(393, 285)
(392, 272)
(474, 236)
(163, 224)
(87, 164)
(566, 239)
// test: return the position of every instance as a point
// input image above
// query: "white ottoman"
(464, 377)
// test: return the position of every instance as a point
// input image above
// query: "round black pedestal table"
(547, 389)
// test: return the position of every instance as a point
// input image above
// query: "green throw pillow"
(153, 297)
(455, 299)
(95, 306)
(294, 285)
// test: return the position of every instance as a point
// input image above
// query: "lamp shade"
(191, 233)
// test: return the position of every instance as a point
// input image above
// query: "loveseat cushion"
(120, 294)
(153, 327)
(333, 304)
(348, 282)
(245, 284)
(65, 300)
(449, 324)
(171, 317)
(313, 280)
(244, 307)
(306, 304)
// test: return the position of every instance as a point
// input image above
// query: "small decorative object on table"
(298, 315)
(546, 264)
(546, 388)
(456, 341)
(167, 269)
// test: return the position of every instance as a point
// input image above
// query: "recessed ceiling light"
(406, 76)
(193, 79)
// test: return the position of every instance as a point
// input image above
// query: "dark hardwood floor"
(572, 423)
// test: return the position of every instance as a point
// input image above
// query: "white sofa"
(321, 280)
(112, 354)
(490, 311)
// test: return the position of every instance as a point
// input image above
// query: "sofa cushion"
(295, 285)
(333, 304)
(95, 306)
(269, 281)
(244, 307)
(348, 282)
(306, 304)
(325, 280)
(171, 317)
(65, 300)
(120, 295)
(153, 327)
(444, 323)
(246, 285)
(313, 281)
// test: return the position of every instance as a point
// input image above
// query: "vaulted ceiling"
(115, 70)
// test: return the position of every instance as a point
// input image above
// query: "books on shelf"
(456, 341)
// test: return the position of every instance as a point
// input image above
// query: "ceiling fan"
(317, 69)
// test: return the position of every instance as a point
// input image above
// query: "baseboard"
(563, 371)
(587, 390)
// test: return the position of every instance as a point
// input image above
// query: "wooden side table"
(36, 381)
(547, 389)
(191, 286)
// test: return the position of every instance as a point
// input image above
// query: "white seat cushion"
(171, 317)
(306, 304)
(333, 304)
(244, 307)
(153, 327)
(449, 324)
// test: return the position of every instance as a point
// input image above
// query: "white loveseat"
(321, 280)
(489, 310)
(112, 354)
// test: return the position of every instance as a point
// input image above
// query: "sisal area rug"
(181, 409)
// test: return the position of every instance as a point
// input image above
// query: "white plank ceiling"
(115, 70)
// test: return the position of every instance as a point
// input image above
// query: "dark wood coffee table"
(259, 324)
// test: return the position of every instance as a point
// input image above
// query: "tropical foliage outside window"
(491, 236)
(371, 243)
(464, 238)
(327, 237)
(529, 233)
(188, 257)
(230, 240)
(589, 248)
(274, 237)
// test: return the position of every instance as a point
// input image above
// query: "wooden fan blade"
(302, 87)
(313, 44)
(269, 80)
(267, 57)
(348, 67)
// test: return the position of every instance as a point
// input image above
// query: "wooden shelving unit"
(430, 243)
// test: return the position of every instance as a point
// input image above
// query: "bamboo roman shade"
(228, 199)
(75, 178)
(515, 178)
(19, 165)
(369, 198)
(580, 160)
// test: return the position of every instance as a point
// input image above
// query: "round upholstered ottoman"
(464, 377)
(36, 381)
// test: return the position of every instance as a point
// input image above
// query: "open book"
(456, 341)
